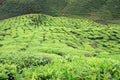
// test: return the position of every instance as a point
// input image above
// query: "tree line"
(103, 8)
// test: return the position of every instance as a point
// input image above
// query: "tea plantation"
(42, 47)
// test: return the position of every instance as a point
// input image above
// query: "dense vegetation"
(104, 9)
(77, 42)
(42, 47)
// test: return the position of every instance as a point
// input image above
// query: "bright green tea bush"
(8, 72)
(78, 69)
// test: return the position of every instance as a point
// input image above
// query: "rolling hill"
(42, 47)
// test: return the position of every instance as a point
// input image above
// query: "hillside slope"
(103, 9)
(58, 47)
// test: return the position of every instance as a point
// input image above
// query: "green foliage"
(89, 68)
(7, 72)
(42, 47)
(104, 9)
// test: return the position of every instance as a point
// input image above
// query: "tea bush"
(8, 72)
(78, 69)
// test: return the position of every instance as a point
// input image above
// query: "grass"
(42, 47)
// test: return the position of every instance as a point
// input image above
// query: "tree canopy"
(103, 8)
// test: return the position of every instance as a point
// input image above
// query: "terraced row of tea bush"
(42, 47)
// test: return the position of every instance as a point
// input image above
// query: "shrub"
(8, 72)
